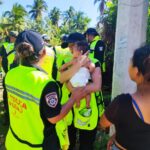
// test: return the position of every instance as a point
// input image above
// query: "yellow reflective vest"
(47, 63)
(26, 125)
(61, 55)
(23, 101)
(92, 48)
(9, 47)
(65, 97)
(86, 119)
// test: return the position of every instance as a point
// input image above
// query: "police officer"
(87, 125)
(7, 52)
(7, 55)
(97, 46)
(97, 50)
(34, 99)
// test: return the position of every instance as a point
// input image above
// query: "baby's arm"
(66, 65)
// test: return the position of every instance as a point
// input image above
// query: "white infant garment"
(81, 78)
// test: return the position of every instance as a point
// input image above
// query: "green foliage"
(148, 26)
(54, 16)
(107, 28)
(38, 7)
(54, 24)
(101, 140)
(74, 21)
(15, 18)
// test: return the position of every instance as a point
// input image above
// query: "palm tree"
(37, 9)
(1, 2)
(80, 21)
(16, 16)
(102, 4)
(68, 15)
(54, 16)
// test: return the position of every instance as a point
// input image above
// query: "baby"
(82, 77)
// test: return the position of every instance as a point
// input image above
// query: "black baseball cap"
(72, 38)
(91, 31)
(31, 37)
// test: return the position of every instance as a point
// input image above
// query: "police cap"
(91, 31)
(31, 37)
(72, 38)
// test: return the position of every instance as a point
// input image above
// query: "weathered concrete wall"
(130, 34)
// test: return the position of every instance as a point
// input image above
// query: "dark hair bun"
(26, 53)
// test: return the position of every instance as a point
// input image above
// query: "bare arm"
(104, 122)
(66, 75)
(96, 81)
(77, 94)
(91, 67)
(69, 86)
(65, 109)
(66, 65)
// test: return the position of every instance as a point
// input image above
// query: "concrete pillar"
(130, 34)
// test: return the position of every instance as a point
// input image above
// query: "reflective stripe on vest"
(24, 101)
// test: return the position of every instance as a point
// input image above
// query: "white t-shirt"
(81, 78)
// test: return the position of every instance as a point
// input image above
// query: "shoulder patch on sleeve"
(51, 99)
(100, 48)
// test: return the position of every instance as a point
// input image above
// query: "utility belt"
(24, 141)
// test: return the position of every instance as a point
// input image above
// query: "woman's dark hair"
(141, 60)
(82, 46)
(26, 53)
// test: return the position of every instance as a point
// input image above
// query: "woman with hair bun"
(34, 99)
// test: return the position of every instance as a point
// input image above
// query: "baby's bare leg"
(88, 99)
